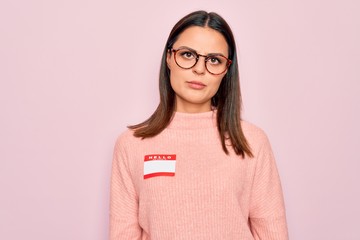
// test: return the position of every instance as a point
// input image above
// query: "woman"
(194, 169)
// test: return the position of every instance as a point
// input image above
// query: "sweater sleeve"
(267, 210)
(123, 199)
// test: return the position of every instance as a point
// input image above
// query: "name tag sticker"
(156, 165)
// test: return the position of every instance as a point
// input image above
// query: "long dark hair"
(227, 100)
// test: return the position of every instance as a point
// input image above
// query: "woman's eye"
(214, 60)
(187, 54)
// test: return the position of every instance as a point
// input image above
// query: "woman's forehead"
(204, 40)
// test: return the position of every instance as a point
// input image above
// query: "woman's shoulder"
(254, 134)
(250, 128)
(125, 137)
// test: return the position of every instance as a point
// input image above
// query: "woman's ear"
(168, 58)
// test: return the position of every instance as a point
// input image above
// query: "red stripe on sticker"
(157, 174)
(159, 157)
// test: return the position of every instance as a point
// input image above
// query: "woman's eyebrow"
(191, 49)
(182, 47)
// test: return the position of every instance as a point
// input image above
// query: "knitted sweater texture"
(180, 185)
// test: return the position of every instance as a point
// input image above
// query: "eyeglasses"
(187, 58)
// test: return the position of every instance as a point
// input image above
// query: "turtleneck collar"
(202, 120)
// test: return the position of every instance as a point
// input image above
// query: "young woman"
(194, 169)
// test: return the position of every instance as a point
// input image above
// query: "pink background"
(74, 73)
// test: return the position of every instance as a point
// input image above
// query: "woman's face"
(195, 87)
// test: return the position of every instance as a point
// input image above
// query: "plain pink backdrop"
(74, 74)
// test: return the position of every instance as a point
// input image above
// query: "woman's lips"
(196, 85)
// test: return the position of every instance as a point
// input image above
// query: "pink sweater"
(181, 185)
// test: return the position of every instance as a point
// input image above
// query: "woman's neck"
(193, 107)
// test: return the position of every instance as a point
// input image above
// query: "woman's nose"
(200, 66)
